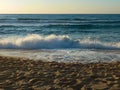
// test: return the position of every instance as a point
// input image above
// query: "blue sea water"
(69, 37)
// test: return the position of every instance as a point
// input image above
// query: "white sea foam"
(35, 41)
(66, 55)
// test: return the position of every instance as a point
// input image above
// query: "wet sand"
(25, 74)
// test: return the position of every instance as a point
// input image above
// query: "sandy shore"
(23, 74)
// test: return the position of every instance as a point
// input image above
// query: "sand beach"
(25, 74)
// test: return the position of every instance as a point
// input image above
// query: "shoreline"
(23, 73)
(66, 56)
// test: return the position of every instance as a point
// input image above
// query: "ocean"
(84, 38)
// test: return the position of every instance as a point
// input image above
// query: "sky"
(60, 6)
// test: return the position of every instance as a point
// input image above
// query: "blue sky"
(60, 6)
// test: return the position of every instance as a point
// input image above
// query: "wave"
(30, 19)
(41, 18)
(4, 26)
(35, 41)
(92, 20)
(106, 21)
(82, 26)
(83, 19)
(68, 25)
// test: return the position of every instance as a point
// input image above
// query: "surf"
(36, 41)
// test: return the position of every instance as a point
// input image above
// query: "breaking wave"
(35, 41)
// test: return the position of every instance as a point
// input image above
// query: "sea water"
(61, 37)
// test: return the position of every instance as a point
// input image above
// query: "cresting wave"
(35, 41)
